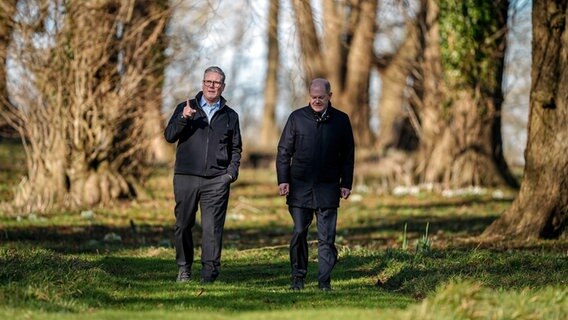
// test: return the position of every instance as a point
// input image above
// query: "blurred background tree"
(85, 81)
(7, 11)
(429, 86)
(461, 65)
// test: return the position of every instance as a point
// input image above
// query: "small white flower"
(498, 194)
(112, 237)
(87, 215)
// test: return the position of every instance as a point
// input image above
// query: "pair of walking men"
(314, 168)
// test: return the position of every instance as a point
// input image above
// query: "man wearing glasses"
(314, 167)
(208, 156)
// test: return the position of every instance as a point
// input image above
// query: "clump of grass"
(404, 239)
(470, 300)
(423, 244)
(419, 275)
(45, 279)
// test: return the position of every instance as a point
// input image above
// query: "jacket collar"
(327, 113)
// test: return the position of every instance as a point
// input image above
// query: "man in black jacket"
(208, 156)
(314, 166)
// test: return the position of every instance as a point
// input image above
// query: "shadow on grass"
(419, 274)
(92, 238)
(392, 228)
(244, 285)
(446, 203)
(376, 234)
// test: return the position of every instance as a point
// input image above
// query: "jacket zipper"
(207, 150)
(209, 129)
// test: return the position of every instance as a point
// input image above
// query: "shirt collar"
(204, 103)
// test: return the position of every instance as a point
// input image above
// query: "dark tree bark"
(541, 207)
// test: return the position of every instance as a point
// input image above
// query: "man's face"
(212, 86)
(319, 99)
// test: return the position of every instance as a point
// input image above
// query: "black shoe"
(184, 274)
(324, 286)
(297, 284)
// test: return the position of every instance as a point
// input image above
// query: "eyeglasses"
(211, 83)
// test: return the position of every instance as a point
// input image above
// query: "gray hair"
(217, 70)
(319, 82)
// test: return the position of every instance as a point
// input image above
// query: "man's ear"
(330, 94)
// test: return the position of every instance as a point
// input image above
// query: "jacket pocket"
(222, 154)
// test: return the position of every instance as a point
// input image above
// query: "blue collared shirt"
(209, 109)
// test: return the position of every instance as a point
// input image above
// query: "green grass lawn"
(118, 261)
(392, 284)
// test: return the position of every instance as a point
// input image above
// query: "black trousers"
(212, 196)
(327, 253)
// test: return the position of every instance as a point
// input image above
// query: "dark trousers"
(327, 253)
(212, 195)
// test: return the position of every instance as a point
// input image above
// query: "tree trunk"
(355, 95)
(460, 118)
(335, 41)
(343, 56)
(309, 42)
(157, 150)
(269, 130)
(46, 182)
(93, 91)
(541, 207)
(399, 125)
(7, 11)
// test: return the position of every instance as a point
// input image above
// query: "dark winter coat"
(206, 149)
(316, 157)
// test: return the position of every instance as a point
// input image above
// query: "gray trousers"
(212, 196)
(327, 253)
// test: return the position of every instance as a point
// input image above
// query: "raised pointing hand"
(188, 111)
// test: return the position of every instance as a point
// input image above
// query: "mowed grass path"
(59, 265)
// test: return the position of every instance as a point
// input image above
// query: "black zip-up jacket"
(316, 157)
(206, 149)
